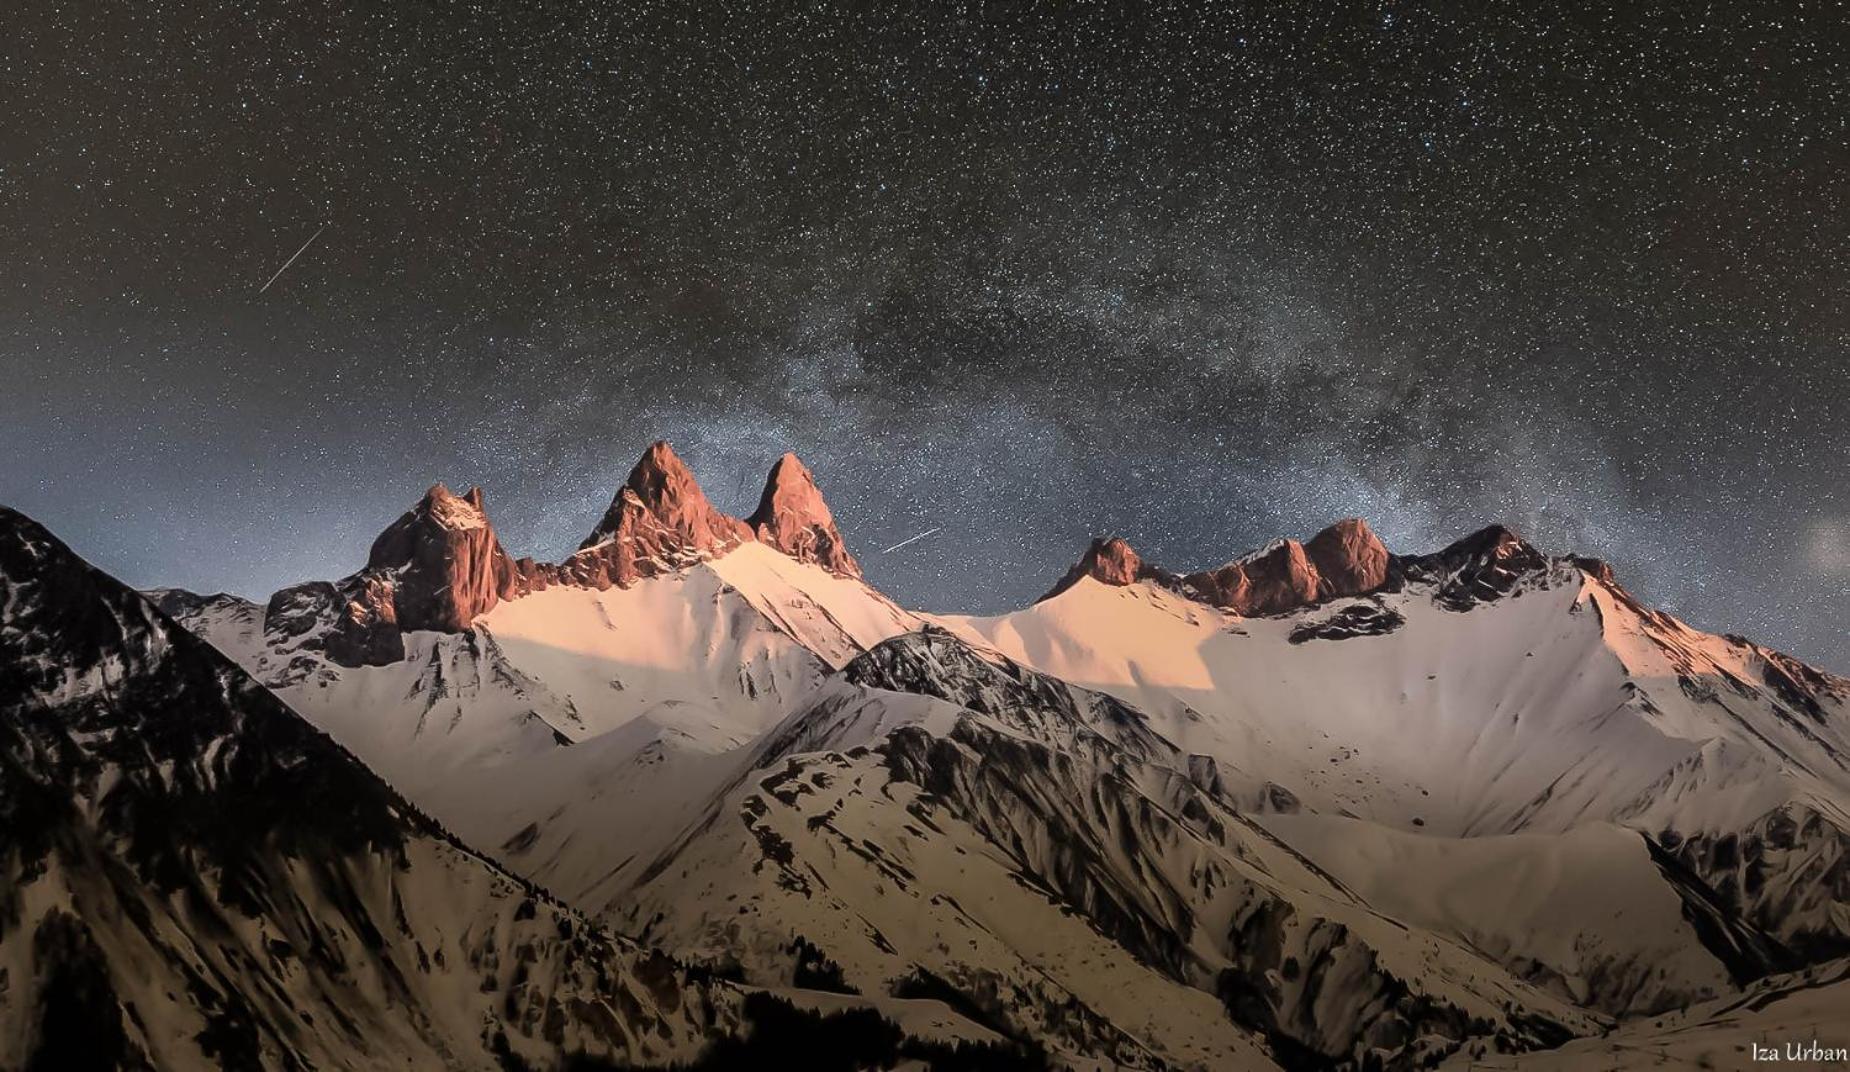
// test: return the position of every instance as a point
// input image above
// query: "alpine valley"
(699, 796)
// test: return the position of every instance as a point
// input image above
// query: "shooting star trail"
(914, 539)
(291, 260)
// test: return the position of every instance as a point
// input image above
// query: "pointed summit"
(659, 521)
(440, 508)
(662, 489)
(1494, 548)
(793, 518)
(1478, 568)
(443, 563)
(1110, 561)
(1349, 558)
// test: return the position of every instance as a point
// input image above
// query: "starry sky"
(1197, 275)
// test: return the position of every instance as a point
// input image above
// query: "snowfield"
(1490, 805)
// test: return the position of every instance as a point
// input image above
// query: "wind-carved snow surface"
(1455, 815)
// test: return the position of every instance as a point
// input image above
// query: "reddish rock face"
(1110, 561)
(1226, 587)
(1282, 578)
(793, 518)
(659, 522)
(1276, 579)
(1343, 560)
(531, 576)
(444, 562)
(1349, 559)
(440, 565)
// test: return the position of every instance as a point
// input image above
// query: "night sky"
(1023, 272)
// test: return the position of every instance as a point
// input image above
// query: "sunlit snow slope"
(1320, 806)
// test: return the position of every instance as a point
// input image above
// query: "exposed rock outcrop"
(445, 562)
(1346, 559)
(1275, 579)
(1481, 567)
(440, 565)
(793, 518)
(660, 521)
(437, 567)
(1349, 559)
(352, 621)
(1110, 560)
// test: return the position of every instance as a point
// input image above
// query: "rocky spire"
(659, 521)
(793, 518)
(443, 561)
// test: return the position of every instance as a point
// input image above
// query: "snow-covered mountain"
(1487, 690)
(191, 876)
(1324, 805)
(940, 813)
(591, 707)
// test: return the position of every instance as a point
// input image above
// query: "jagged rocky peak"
(662, 489)
(1275, 578)
(1109, 560)
(438, 512)
(440, 565)
(793, 517)
(1491, 539)
(1483, 566)
(1597, 568)
(659, 521)
(1492, 548)
(446, 564)
(1349, 558)
(354, 621)
(1344, 559)
(444, 508)
(1112, 560)
(437, 567)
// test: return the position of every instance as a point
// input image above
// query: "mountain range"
(698, 791)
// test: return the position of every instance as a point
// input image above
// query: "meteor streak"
(914, 539)
(291, 260)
